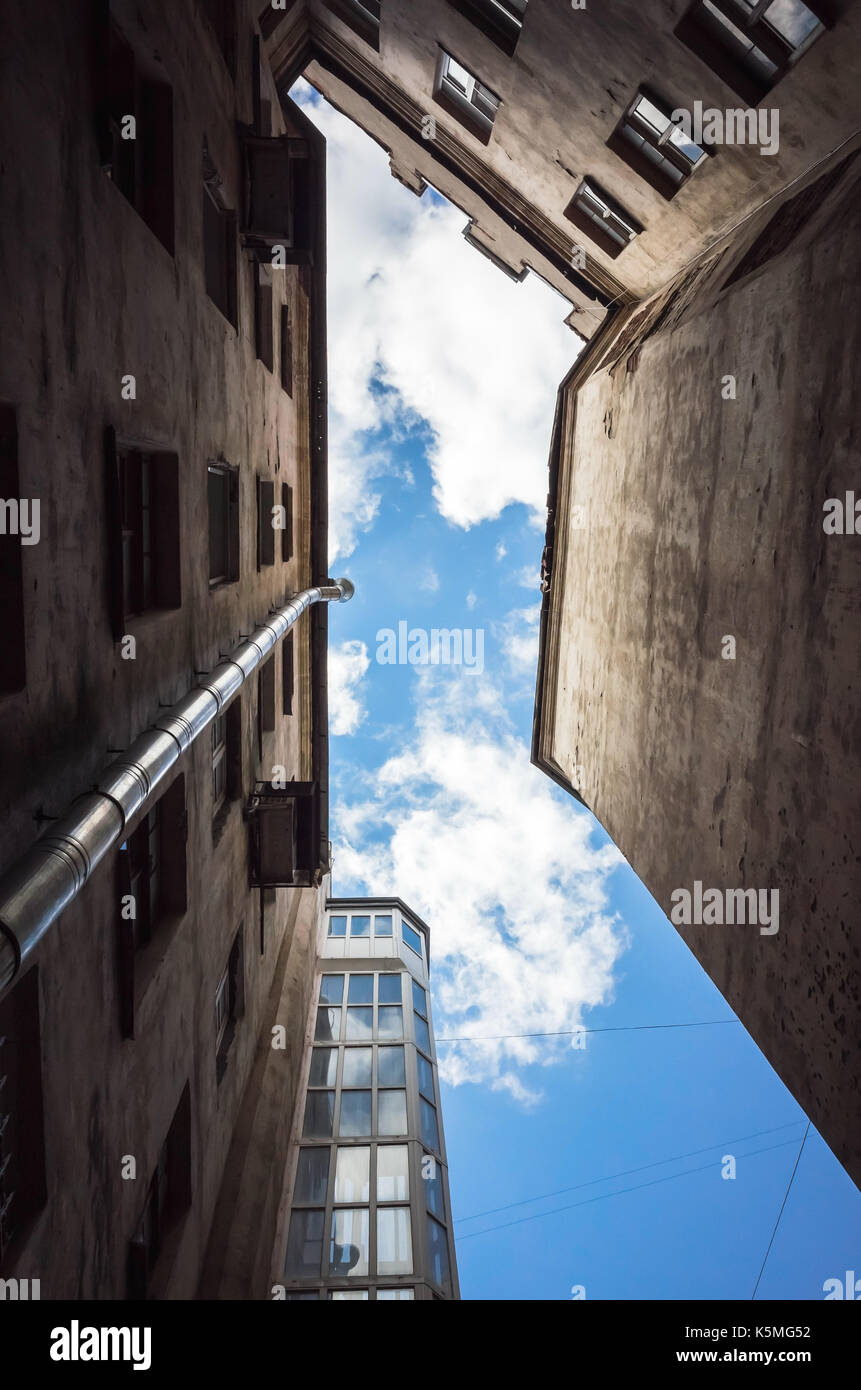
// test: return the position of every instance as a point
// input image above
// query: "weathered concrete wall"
(702, 518)
(89, 294)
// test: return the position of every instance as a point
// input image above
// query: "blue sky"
(443, 376)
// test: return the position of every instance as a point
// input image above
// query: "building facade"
(684, 172)
(368, 1216)
(164, 660)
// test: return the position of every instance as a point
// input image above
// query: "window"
(656, 149)
(420, 999)
(602, 219)
(305, 1244)
(263, 313)
(412, 939)
(265, 701)
(355, 1116)
(287, 678)
(312, 1176)
(392, 1113)
(337, 926)
(265, 527)
(390, 1066)
(286, 350)
(219, 243)
(143, 497)
(393, 1173)
(466, 98)
(324, 1066)
(168, 1198)
(394, 1241)
(360, 926)
(136, 135)
(287, 517)
(390, 1023)
(226, 752)
(361, 989)
(500, 20)
(319, 1115)
(360, 1024)
(422, 1032)
(348, 1250)
(751, 44)
(425, 1071)
(12, 649)
(382, 925)
(223, 501)
(229, 1004)
(222, 17)
(151, 886)
(362, 16)
(428, 1124)
(433, 1186)
(395, 1295)
(328, 1027)
(390, 989)
(22, 1142)
(358, 1066)
(438, 1254)
(353, 1175)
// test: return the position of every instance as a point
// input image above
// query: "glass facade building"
(369, 1208)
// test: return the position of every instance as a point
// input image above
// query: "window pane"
(429, 1129)
(361, 989)
(355, 1113)
(337, 926)
(390, 1067)
(412, 938)
(360, 926)
(394, 1241)
(432, 1183)
(393, 1176)
(425, 1077)
(792, 20)
(438, 1252)
(458, 74)
(422, 1033)
(395, 1295)
(420, 1000)
(328, 1025)
(391, 1112)
(332, 989)
(312, 1176)
(360, 1024)
(648, 112)
(348, 1252)
(305, 1244)
(319, 1110)
(390, 989)
(324, 1066)
(352, 1175)
(349, 1296)
(391, 1022)
(357, 1066)
(382, 926)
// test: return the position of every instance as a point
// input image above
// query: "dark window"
(144, 513)
(466, 98)
(13, 671)
(287, 532)
(265, 701)
(152, 886)
(226, 756)
(223, 501)
(602, 219)
(222, 17)
(137, 136)
(168, 1198)
(22, 1143)
(751, 44)
(287, 673)
(265, 520)
(654, 147)
(362, 16)
(286, 350)
(263, 314)
(219, 244)
(229, 1004)
(500, 20)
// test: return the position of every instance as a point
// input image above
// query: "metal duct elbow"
(36, 889)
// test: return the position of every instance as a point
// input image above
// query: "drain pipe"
(36, 889)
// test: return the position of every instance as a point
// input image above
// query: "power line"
(627, 1172)
(573, 1032)
(703, 1168)
(780, 1213)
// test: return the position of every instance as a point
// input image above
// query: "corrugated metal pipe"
(36, 889)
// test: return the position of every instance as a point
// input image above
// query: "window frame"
(702, 35)
(599, 231)
(661, 143)
(460, 103)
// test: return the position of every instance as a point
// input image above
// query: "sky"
(587, 1164)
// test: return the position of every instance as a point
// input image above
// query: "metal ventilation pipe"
(48, 876)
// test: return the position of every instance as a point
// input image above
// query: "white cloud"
(429, 581)
(529, 577)
(501, 550)
(519, 640)
(443, 336)
(504, 870)
(348, 665)
(471, 600)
